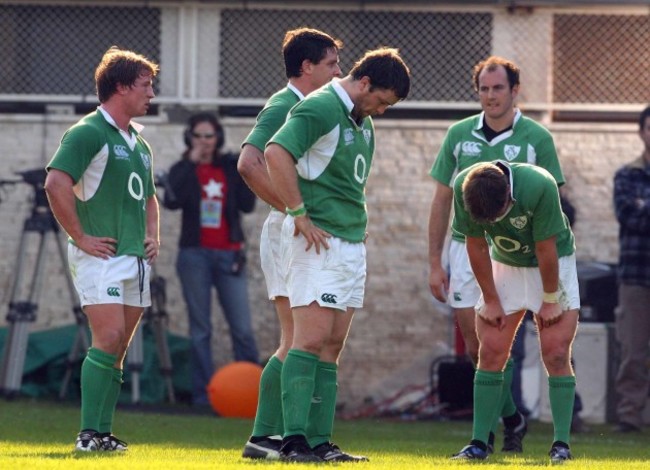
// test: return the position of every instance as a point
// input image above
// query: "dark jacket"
(182, 191)
(632, 207)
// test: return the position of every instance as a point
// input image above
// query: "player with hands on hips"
(100, 187)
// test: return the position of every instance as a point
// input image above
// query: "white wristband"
(551, 297)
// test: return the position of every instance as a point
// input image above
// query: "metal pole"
(134, 358)
(157, 315)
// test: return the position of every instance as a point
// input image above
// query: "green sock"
(96, 377)
(487, 397)
(323, 405)
(268, 419)
(507, 407)
(298, 377)
(561, 395)
(108, 410)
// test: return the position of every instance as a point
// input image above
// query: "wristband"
(297, 211)
(551, 297)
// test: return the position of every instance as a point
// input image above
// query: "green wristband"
(297, 211)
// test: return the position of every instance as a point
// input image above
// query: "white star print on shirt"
(213, 189)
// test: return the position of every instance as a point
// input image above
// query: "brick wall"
(399, 329)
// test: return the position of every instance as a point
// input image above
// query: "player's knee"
(556, 358)
(311, 345)
(332, 350)
(110, 340)
(282, 351)
(492, 357)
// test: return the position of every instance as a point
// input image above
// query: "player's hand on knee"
(549, 315)
(493, 315)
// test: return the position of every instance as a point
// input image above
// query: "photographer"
(206, 186)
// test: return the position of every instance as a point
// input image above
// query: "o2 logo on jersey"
(360, 167)
(472, 149)
(136, 188)
(509, 245)
(146, 160)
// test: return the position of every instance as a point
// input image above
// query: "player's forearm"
(58, 187)
(546, 253)
(283, 175)
(252, 168)
(478, 252)
(153, 218)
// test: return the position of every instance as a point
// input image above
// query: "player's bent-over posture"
(522, 253)
(499, 132)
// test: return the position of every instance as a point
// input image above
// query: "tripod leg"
(15, 354)
(61, 245)
(20, 314)
(81, 342)
(134, 358)
(157, 315)
(71, 360)
(163, 355)
(13, 315)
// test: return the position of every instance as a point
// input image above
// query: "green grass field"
(36, 434)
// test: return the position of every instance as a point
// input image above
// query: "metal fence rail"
(231, 56)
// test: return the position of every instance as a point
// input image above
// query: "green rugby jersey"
(112, 178)
(272, 116)
(333, 156)
(465, 145)
(535, 216)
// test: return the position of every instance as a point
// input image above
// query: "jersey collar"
(137, 127)
(291, 87)
(481, 119)
(347, 101)
(507, 169)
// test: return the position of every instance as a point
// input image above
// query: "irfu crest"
(519, 222)
(511, 152)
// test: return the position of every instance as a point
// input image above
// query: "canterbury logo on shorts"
(113, 291)
(329, 298)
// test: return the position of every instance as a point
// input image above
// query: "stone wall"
(400, 329)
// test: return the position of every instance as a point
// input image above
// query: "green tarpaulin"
(46, 365)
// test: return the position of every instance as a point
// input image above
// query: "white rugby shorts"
(270, 255)
(335, 278)
(521, 288)
(464, 291)
(116, 280)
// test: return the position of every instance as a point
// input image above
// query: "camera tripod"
(156, 316)
(23, 312)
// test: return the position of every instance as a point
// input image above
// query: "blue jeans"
(199, 269)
